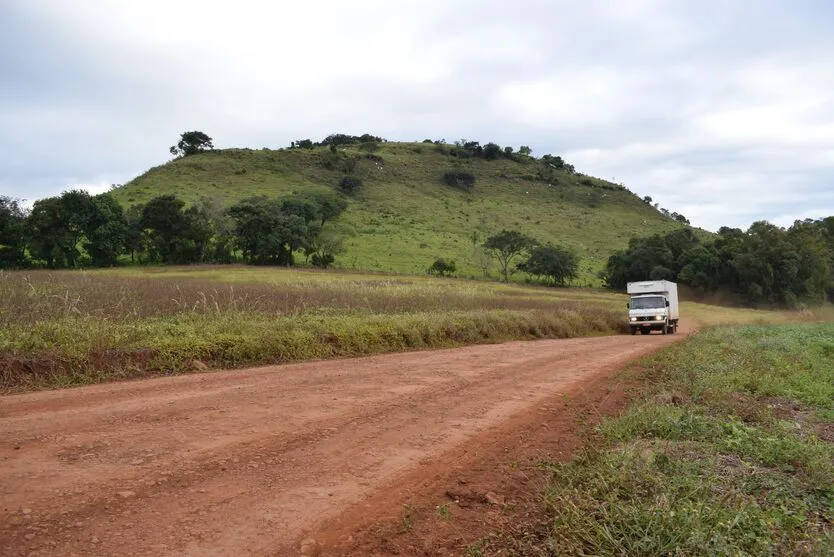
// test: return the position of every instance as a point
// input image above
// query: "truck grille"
(646, 318)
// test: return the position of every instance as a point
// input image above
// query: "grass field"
(73, 327)
(404, 218)
(730, 452)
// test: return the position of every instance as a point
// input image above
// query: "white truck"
(653, 306)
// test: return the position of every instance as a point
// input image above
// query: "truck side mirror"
(667, 303)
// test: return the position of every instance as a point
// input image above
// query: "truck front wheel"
(666, 328)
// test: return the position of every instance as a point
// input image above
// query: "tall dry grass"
(70, 328)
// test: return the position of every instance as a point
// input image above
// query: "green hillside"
(405, 217)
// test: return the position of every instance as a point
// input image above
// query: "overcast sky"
(720, 110)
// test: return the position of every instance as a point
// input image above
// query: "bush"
(323, 260)
(350, 184)
(492, 151)
(369, 147)
(459, 179)
(442, 268)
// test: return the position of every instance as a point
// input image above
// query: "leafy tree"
(220, 246)
(302, 144)
(680, 218)
(107, 231)
(191, 143)
(49, 239)
(265, 233)
(638, 261)
(199, 231)
(558, 264)
(508, 151)
(168, 230)
(506, 246)
(57, 225)
(345, 139)
(330, 205)
(12, 233)
(134, 241)
(492, 151)
(350, 184)
(442, 268)
(702, 268)
(302, 205)
(814, 274)
(525, 150)
(647, 200)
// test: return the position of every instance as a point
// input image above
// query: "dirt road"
(252, 462)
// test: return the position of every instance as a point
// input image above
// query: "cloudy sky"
(721, 110)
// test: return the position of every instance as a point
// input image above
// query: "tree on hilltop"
(191, 143)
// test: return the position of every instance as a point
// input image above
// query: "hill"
(405, 216)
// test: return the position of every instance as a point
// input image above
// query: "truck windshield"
(653, 302)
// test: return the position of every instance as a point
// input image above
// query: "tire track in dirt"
(249, 462)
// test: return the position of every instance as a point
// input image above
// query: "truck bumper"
(647, 325)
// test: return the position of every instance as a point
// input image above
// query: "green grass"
(731, 452)
(405, 218)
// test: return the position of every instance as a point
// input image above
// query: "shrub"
(350, 184)
(492, 151)
(459, 179)
(323, 260)
(442, 268)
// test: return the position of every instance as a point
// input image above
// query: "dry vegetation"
(64, 328)
(75, 327)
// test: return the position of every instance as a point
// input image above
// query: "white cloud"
(718, 111)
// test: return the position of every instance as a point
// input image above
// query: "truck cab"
(653, 306)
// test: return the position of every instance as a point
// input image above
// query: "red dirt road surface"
(260, 461)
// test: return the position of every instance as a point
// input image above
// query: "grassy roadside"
(730, 452)
(72, 328)
(76, 327)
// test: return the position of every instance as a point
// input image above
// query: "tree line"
(76, 229)
(765, 264)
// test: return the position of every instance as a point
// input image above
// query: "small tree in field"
(442, 268)
(506, 246)
(191, 143)
(558, 264)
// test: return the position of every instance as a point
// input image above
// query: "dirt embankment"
(264, 461)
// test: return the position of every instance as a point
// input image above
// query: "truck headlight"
(658, 318)
(633, 319)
